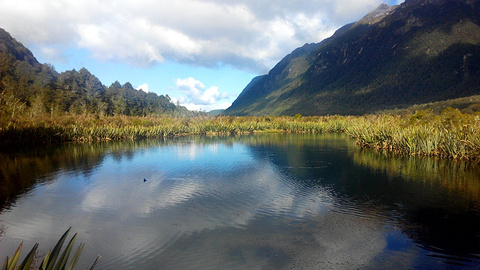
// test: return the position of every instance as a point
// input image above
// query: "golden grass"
(451, 134)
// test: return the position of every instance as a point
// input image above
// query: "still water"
(270, 201)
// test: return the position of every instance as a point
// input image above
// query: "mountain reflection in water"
(268, 201)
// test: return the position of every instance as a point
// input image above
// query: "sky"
(201, 53)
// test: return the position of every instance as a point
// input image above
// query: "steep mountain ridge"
(420, 51)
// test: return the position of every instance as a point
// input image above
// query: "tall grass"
(451, 134)
(95, 128)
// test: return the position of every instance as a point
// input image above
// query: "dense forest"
(29, 87)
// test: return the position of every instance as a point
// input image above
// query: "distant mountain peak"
(418, 52)
(376, 15)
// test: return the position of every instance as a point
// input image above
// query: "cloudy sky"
(199, 52)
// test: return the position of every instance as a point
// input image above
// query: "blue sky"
(202, 53)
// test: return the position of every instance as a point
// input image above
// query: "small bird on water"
(144, 180)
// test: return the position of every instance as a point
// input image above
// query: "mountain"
(420, 51)
(29, 87)
(216, 112)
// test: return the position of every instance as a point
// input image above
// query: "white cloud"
(198, 96)
(200, 107)
(143, 87)
(247, 34)
(54, 54)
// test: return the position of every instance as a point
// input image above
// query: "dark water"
(249, 202)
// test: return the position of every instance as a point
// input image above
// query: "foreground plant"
(52, 260)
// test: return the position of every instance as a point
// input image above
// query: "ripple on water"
(366, 209)
(240, 209)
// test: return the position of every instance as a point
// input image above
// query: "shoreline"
(451, 134)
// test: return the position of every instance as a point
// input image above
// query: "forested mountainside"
(27, 86)
(418, 52)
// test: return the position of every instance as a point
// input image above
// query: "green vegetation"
(469, 105)
(420, 52)
(362, 66)
(451, 134)
(30, 88)
(53, 259)
(71, 127)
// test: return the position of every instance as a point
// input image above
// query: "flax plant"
(54, 260)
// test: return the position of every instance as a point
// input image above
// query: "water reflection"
(460, 178)
(248, 202)
(21, 169)
(445, 217)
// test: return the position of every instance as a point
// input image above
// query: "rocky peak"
(378, 14)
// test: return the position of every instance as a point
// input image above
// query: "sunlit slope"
(418, 52)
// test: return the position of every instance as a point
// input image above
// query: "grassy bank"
(451, 134)
(94, 128)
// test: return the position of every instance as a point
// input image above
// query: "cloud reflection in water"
(236, 205)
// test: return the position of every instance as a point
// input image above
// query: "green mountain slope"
(28, 87)
(418, 52)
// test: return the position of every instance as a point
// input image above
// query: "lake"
(267, 201)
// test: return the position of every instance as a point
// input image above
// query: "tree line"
(29, 87)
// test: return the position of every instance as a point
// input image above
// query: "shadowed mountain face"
(420, 51)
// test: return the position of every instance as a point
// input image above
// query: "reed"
(451, 134)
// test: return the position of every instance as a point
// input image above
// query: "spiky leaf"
(96, 261)
(75, 257)
(29, 259)
(5, 264)
(62, 261)
(13, 262)
(56, 250)
(44, 264)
